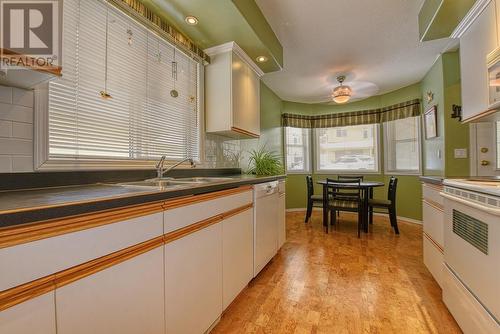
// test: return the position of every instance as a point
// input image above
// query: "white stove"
(472, 253)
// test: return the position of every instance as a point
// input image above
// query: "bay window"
(347, 149)
(126, 97)
(402, 145)
(298, 150)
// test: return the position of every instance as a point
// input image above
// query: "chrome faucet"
(160, 171)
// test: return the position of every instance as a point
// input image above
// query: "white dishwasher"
(266, 196)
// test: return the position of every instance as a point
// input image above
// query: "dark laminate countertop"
(432, 179)
(26, 206)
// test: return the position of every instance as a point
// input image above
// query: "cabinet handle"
(485, 163)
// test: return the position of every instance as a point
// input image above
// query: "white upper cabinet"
(475, 44)
(232, 92)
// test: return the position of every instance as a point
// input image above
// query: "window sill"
(347, 172)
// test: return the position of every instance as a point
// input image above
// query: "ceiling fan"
(351, 91)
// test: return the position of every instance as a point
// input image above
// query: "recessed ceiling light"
(191, 20)
(261, 59)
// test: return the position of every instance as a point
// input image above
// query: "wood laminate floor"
(337, 283)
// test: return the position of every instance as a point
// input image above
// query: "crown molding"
(471, 16)
(232, 46)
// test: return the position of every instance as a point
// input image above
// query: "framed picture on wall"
(430, 122)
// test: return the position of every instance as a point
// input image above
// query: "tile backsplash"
(16, 130)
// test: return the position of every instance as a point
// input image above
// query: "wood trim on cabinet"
(38, 287)
(433, 204)
(434, 242)
(244, 132)
(16, 235)
(479, 116)
(193, 199)
(23, 59)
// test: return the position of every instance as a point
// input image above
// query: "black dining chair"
(312, 200)
(349, 177)
(388, 204)
(341, 200)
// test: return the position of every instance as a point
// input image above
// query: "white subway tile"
(22, 97)
(6, 129)
(10, 112)
(5, 94)
(22, 130)
(5, 164)
(22, 164)
(14, 146)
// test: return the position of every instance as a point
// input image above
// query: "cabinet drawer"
(467, 311)
(27, 262)
(177, 218)
(433, 260)
(433, 222)
(431, 193)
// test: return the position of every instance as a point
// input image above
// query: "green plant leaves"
(265, 163)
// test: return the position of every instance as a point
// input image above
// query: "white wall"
(16, 130)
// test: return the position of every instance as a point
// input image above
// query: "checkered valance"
(380, 115)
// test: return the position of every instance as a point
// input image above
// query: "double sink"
(172, 183)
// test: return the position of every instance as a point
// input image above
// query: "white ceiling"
(374, 42)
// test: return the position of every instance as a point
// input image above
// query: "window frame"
(377, 171)
(388, 170)
(43, 162)
(308, 153)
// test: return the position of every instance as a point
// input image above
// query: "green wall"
(443, 80)
(409, 188)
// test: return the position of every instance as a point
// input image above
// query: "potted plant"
(264, 163)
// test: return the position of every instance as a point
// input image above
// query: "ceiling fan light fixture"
(341, 94)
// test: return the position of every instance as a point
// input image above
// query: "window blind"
(106, 50)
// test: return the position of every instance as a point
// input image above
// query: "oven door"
(472, 249)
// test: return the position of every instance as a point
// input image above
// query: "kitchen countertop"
(32, 205)
(438, 180)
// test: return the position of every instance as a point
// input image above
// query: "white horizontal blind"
(141, 120)
(402, 145)
(297, 143)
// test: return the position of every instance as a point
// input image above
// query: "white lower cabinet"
(193, 281)
(237, 254)
(127, 298)
(36, 315)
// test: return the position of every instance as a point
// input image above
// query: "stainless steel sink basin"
(169, 183)
(202, 179)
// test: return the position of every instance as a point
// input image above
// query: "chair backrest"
(310, 186)
(336, 189)
(391, 192)
(351, 177)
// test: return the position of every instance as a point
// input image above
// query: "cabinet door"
(237, 254)
(239, 92)
(479, 40)
(36, 316)
(266, 231)
(125, 298)
(193, 280)
(252, 117)
(281, 221)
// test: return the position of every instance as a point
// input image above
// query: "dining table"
(366, 191)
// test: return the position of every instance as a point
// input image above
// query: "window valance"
(379, 115)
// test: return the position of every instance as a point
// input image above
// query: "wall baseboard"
(404, 219)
